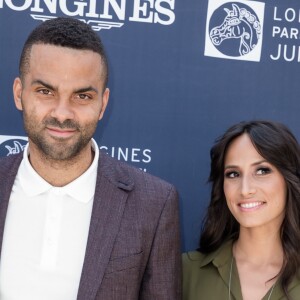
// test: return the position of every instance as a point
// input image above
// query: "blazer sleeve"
(162, 277)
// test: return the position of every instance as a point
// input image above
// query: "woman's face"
(255, 190)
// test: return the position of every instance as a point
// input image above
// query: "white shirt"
(45, 235)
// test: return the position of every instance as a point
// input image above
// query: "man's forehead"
(42, 48)
(48, 59)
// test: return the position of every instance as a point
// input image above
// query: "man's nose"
(62, 110)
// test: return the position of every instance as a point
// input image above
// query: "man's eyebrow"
(50, 87)
(40, 82)
(87, 89)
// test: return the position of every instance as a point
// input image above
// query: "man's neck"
(61, 172)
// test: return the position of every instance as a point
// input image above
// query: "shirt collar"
(219, 257)
(222, 259)
(81, 189)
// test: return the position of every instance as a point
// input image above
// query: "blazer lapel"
(8, 172)
(109, 202)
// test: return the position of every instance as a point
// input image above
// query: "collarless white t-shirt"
(45, 235)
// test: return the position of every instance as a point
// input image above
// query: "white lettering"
(286, 53)
(119, 10)
(290, 15)
(284, 32)
(291, 58)
(275, 15)
(164, 11)
(293, 15)
(147, 17)
(103, 148)
(92, 10)
(147, 11)
(51, 5)
(276, 30)
(146, 153)
(278, 53)
(78, 12)
(26, 4)
(294, 33)
(122, 154)
(134, 154)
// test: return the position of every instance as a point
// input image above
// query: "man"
(75, 223)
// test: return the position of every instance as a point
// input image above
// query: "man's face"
(62, 100)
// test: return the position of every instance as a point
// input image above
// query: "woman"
(250, 241)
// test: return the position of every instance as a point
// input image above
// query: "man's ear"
(105, 98)
(17, 91)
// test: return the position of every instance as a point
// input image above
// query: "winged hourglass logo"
(11, 145)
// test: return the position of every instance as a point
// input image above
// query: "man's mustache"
(70, 124)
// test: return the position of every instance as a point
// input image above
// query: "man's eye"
(84, 96)
(231, 174)
(45, 92)
(263, 171)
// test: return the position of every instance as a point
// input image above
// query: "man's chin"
(60, 150)
(61, 155)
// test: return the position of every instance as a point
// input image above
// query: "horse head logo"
(240, 24)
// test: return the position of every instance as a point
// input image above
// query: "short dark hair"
(275, 142)
(65, 32)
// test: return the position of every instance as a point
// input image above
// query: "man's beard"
(60, 149)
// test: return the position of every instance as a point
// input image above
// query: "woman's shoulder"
(193, 256)
(192, 263)
(200, 275)
(192, 260)
(196, 259)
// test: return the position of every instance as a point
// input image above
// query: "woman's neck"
(259, 259)
(259, 248)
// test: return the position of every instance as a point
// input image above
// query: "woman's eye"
(231, 174)
(263, 171)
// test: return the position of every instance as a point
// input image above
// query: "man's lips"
(61, 132)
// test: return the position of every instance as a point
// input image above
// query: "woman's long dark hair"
(278, 146)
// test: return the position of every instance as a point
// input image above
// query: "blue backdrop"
(181, 72)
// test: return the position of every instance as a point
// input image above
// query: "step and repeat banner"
(181, 72)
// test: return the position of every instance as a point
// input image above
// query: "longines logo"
(137, 156)
(11, 144)
(100, 14)
(234, 30)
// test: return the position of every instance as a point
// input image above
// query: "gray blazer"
(133, 249)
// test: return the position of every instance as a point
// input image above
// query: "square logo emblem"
(234, 29)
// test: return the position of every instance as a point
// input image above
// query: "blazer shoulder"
(118, 171)
(9, 165)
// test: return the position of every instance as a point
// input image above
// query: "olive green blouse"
(206, 277)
